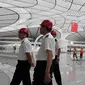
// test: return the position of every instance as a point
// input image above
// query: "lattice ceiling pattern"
(32, 12)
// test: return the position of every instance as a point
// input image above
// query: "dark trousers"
(81, 55)
(39, 73)
(56, 72)
(75, 55)
(22, 73)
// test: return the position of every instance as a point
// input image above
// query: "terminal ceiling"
(30, 13)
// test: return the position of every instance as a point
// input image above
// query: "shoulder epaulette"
(55, 40)
(46, 36)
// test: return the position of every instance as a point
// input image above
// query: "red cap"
(47, 23)
(53, 32)
(25, 30)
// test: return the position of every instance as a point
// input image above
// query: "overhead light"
(71, 42)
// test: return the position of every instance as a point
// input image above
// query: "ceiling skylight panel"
(59, 8)
(82, 33)
(66, 25)
(33, 11)
(35, 16)
(41, 8)
(33, 20)
(82, 18)
(72, 37)
(78, 2)
(72, 18)
(50, 1)
(6, 29)
(8, 21)
(8, 17)
(58, 26)
(82, 21)
(19, 3)
(58, 16)
(26, 1)
(65, 30)
(63, 4)
(4, 24)
(5, 5)
(67, 21)
(81, 26)
(74, 13)
(46, 4)
(83, 8)
(75, 7)
(46, 13)
(35, 24)
(60, 22)
(56, 11)
(5, 11)
(41, 17)
(76, 34)
(79, 35)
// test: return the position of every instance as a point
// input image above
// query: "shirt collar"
(46, 35)
(23, 40)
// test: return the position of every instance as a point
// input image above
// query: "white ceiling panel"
(31, 13)
(80, 36)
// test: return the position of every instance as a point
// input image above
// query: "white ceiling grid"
(32, 12)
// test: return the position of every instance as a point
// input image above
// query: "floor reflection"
(73, 72)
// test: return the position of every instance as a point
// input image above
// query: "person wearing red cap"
(22, 71)
(56, 69)
(43, 70)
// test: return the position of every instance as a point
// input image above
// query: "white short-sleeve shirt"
(48, 42)
(24, 47)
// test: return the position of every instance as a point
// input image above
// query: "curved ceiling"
(7, 17)
(61, 12)
(78, 36)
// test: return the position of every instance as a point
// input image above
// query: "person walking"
(81, 53)
(75, 54)
(43, 70)
(22, 71)
(56, 69)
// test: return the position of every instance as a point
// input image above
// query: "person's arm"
(59, 51)
(29, 57)
(49, 61)
(28, 51)
(48, 66)
(49, 47)
(58, 56)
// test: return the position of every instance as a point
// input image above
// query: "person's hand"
(32, 64)
(47, 77)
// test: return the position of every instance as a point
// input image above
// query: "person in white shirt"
(24, 60)
(43, 71)
(56, 69)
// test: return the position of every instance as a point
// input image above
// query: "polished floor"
(72, 71)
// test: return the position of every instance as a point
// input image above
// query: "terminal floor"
(72, 72)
